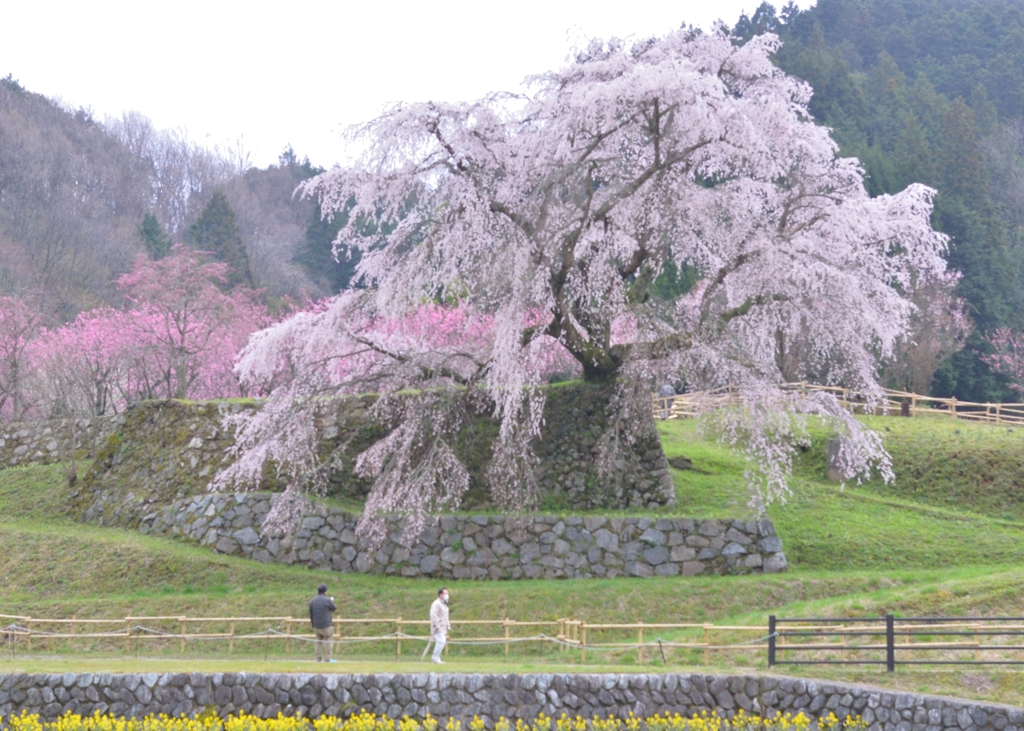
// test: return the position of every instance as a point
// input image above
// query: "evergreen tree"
(882, 176)
(961, 165)
(158, 244)
(914, 160)
(216, 231)
(764, 20)
(984, 111)
(977, 249)
(1006, 83)
(886, 90)
(317, 254)
(838, 101)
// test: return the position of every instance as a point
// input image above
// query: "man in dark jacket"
(320, 608)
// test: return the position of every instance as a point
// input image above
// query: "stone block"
(734, 549)
(653, 536)
(606, 540)
(246, 536)
(682, 553)
(656, 555)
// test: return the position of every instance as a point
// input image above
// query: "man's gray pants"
(324, 635)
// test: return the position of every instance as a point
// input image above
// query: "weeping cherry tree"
(550, 215)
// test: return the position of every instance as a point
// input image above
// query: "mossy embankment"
(164, 451)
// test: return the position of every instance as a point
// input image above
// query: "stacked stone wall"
(41, 442)
(479, 546)
(490, 697)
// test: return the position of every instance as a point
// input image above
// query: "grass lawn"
(861, 550)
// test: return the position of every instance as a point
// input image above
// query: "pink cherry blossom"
(1007, 357)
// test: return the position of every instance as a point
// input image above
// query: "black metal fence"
(893, 641)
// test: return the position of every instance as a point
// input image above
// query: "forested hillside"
(80, 199)
(930, 91)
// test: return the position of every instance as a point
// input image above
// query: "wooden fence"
(870, 641)
(895, 403)
(649, 641)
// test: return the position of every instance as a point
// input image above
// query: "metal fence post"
(890, 643)
(771, 640)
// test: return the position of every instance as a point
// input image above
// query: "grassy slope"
(906, 525)
(861, 550)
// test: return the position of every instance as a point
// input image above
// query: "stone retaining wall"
(490, 696)
(480, 546)
(39, 442)
(169, 450)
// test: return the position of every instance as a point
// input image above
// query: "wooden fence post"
(583, 641)
(890, 643)
(506, 626)
(640, 643)
(398, 640)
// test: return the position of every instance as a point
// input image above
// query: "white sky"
(277, 74)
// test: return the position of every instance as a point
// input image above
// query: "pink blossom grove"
(176, 337)
(547, 217)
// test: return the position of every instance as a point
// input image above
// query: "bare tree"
(273, 223)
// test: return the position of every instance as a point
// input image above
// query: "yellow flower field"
(364, 721)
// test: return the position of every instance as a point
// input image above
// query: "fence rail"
(28, 634)
(896, 403)
(893, 641)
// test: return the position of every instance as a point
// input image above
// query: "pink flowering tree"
(78, 371)
(551, 214)
(186, 329)
(1007, 356)
(81, 368)
(177, 338)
